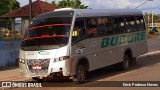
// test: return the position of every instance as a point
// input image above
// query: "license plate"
(37, 67)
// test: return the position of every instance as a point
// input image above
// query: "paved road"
(11, 74)
(154, 44)
(147, 69)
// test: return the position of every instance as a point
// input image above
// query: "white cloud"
(123, 4)
(111, 4)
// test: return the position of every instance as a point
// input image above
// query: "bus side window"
(133, 24)
(109, 26)
(130, 24)
(140, 23)
(116, 25)
(101, 26)
(121, 24)
(78, 30)
(91, 27)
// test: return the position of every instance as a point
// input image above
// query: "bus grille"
(38, 66)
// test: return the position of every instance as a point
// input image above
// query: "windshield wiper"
(57, 42)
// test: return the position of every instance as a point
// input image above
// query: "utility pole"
(148, 22)
(153, 14)
(30, 9)
(152, 19)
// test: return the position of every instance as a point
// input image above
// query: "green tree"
(8, 5)
(70, 4)
(157, 18)
(5, 7)
(148, 17)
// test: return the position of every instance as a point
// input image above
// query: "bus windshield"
(47, 33)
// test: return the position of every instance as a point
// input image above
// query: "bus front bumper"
(54, 72)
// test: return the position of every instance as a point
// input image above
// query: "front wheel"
(80, 74)
(37, 79)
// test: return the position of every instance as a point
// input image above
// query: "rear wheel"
(133, 61)
(80, 74)
(126, 63)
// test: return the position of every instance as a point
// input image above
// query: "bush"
(6, 38)
(151, 32)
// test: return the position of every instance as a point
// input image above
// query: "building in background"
(38, 7)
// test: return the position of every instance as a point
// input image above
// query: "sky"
(148, 7)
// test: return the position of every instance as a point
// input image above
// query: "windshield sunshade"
(48, 31)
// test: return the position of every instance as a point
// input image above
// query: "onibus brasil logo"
(20, 84)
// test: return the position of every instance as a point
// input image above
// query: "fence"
(154, 25)
(8, 57)
(9, 42)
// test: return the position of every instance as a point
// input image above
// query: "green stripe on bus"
(122, 39)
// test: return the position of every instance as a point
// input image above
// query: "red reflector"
(37, 67)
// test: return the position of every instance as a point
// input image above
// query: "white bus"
(71, 42)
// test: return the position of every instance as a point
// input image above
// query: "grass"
(16, 38)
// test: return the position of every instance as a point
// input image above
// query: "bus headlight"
(61, 58)
(21, 60)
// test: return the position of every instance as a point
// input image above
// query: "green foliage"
(151, 32)
(16, 38)
(8, 5)
(5, 7)
(148, 17)
(70, 4)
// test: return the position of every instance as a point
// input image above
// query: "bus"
(69, 43)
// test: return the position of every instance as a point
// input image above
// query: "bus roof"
(108, 12)
(93, 12)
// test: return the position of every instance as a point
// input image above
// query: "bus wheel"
(133, 61)
(126, 63)
(80, 74)
(37, 79)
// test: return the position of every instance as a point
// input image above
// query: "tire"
(133, 61)
(126, 63)
(37, 79)
(80, 74)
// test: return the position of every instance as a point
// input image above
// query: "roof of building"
(38, 7)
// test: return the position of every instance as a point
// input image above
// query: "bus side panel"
(119, 53)
(97, 56)
(139, 48)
